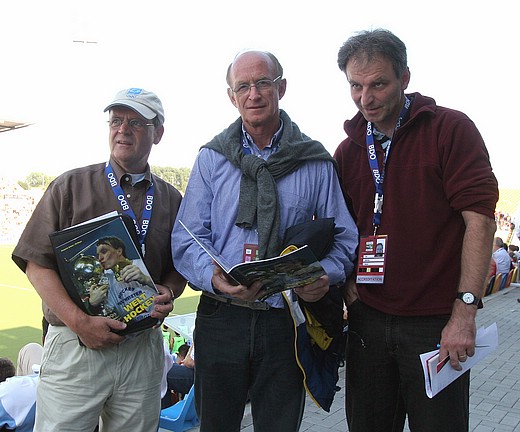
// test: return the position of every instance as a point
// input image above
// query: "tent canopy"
(7, 125)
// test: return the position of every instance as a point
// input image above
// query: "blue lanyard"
(120, 195)
(377, 175)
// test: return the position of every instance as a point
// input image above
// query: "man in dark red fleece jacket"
(436, 223)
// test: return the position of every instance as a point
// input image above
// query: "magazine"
(294, 269)
(102, 269)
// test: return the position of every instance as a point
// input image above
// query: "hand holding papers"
(438, 373)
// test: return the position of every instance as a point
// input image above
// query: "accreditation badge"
(372, 259)
(250, 252)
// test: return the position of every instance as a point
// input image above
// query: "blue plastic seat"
(181, 416)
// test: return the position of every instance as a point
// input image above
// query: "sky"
(63, 61)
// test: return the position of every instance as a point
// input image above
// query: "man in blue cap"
(88, 370)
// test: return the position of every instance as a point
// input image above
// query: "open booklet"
(102, 268)
(438, 373)
(291, 270)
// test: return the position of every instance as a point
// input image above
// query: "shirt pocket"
(294, 208)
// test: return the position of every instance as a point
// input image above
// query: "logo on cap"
(133, 92)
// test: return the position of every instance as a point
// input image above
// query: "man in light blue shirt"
(502, 260)
(249, 184)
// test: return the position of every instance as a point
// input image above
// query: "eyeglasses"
(261, 86)
(135, 124)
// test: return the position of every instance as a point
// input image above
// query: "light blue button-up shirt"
(210, 207)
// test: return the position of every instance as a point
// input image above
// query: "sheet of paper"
(438, 374)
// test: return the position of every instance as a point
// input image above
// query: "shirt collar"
(248, 142)
(120, 172)
(381, 137)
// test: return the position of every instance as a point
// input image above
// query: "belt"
(256, 305)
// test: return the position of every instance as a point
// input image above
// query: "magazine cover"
(104, 273)
(294, 269)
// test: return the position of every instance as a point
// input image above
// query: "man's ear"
(281, 88)
(158, 133)
(232, 97)
(405, 79)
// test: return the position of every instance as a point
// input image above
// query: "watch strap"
(477, 301)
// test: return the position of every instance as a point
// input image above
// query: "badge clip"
(378, 203)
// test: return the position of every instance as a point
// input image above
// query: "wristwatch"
(468, 298)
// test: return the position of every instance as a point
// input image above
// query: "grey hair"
(369, 44)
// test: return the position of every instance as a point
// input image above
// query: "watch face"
(468, 298)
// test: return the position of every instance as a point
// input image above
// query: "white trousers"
(121, 385)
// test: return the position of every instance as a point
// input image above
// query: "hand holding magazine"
(292, 270)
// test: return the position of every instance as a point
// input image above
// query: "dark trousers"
(242, 352)
(385, 380)
(180, 379)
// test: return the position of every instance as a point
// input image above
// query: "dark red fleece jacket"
(438, 166)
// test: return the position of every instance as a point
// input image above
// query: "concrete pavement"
(495, 382)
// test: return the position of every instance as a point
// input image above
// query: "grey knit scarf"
(258, 199)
